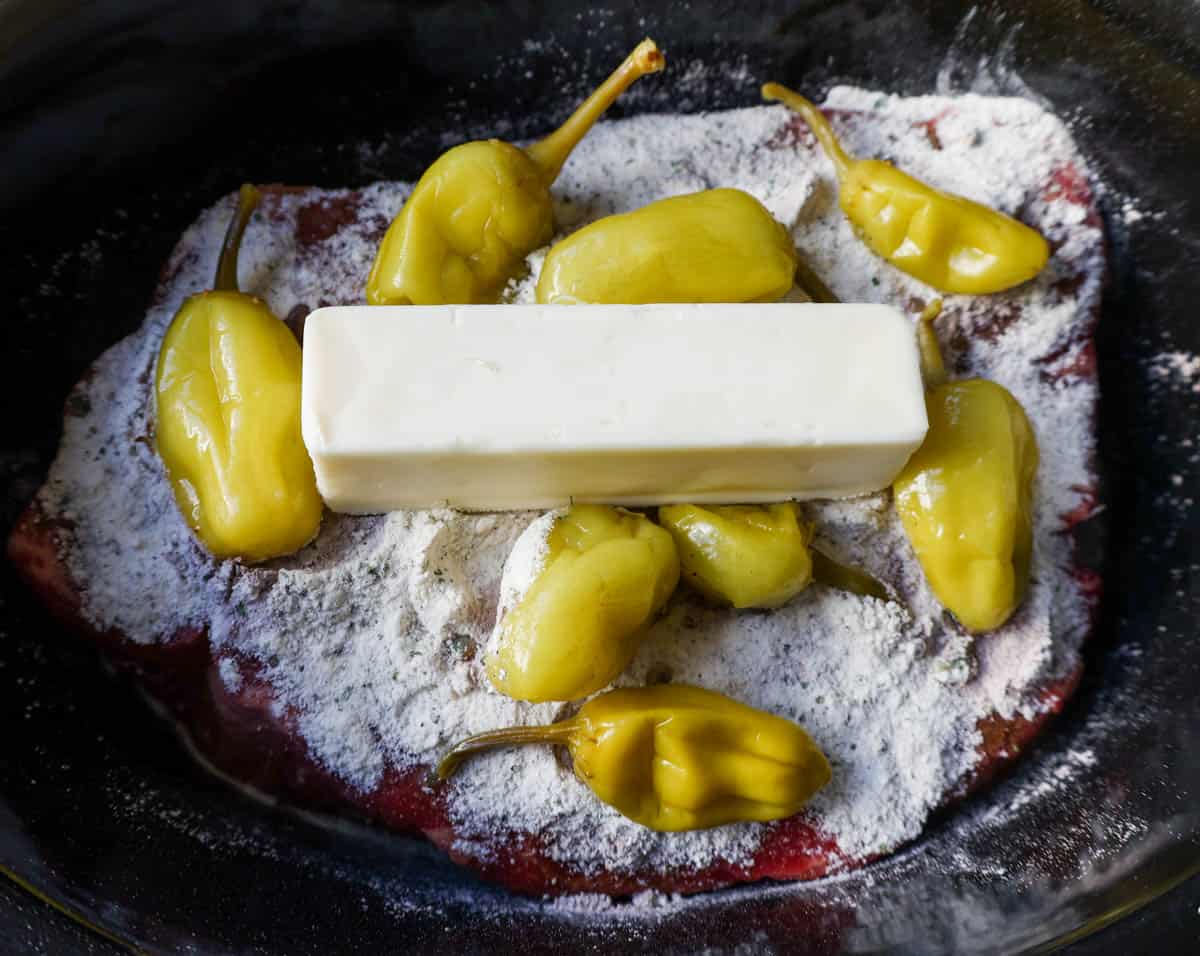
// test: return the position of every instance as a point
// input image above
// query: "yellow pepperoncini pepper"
(966, 496)
(482, 207)
(947, 241)
(228, 418)
(743, 555)
(606, 573)
(756, 556)
(673, 757)
(720, 245)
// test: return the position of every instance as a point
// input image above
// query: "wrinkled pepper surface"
(607, 573)
(742, 555)
(228, 418)
(949, 242)
(966, 496)
(719, 245)
(482, 207)
(673, 757)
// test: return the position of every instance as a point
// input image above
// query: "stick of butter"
(506, 407)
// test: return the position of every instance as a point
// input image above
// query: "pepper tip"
(771, 92)
(249, 196)
(648, 57)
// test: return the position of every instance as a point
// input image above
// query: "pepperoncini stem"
(812, 284)
(816, 121)
(558, 733)
(227, 262)
(551, 152)
(834, 574)
(933, 367)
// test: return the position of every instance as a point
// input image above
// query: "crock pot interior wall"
(119, 121)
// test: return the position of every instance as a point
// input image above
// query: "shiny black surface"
(118, 121)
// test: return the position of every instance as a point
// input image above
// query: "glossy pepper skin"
(673, 757)
(756, 556)
(719, 245)
(947, 241)
(966, 496)
(482, 207)
(228, 418)
(607, 573)
(742, 555)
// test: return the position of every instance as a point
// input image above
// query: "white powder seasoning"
(373, 635)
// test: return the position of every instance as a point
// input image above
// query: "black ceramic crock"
(120, 120)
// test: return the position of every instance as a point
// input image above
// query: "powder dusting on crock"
(373, 635)
(1177, 369)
